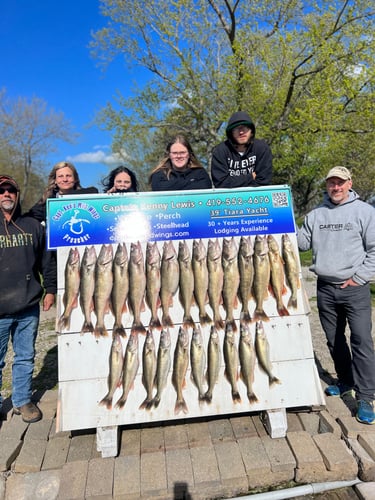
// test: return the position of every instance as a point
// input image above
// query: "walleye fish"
(291, 269)
(169, 280)
(277, 275)
(262, 350)
(262, 271)
(130, 368)
(72, 279)
(231, 361)
(247, 356)
(213, 362)
(198, 361)
(149, 369)
(137, 286)
(116, 361)
(231, 279)
(103, 288)
(200, 271)
(180, 366)
(163, 365)
(120, 287)
(215, 281)
(153, 282)
(186, 283)
(87, 287)
(246, 270)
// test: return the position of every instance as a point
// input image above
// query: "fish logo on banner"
(76, 227)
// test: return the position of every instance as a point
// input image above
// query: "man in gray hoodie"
(341, 234)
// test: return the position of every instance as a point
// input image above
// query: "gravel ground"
(45, 373)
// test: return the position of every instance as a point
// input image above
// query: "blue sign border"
(159, 216)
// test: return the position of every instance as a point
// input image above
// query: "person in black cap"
(241, 160)
(24, 263)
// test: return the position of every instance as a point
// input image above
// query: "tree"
(28, 132)
(303, 70)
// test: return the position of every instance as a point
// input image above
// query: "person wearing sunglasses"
(179, 169)
(241, 160)
(25, 265)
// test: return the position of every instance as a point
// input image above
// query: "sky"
(44, 53)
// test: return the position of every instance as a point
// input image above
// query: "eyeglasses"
(179, 153)
(10, 189)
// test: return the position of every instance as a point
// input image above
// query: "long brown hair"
(165, 163)
(51, 189)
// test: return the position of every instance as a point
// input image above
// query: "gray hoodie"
(342, 238)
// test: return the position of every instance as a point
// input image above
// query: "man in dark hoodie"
(241, 160)
(23, 261)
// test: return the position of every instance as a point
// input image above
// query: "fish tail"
(100, 331)
(156, 401)
(107, 402)
(283, 311)
(205, 319)
(292, 302)
(120, 403)
(245, 317)
(180, 406)
(155, 323)
(231, 323)
(208, 396)
(219, 323)
(188, 321)
(236, 397)
(146, 405)
(64, 323)
(167, 321)
(87, 327)
(272, 380)
(138, 327)
(260, 315)
(119, 330)
(252, 397)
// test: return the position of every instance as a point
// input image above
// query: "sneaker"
(30, 413)
(338, 389)
(365, 412)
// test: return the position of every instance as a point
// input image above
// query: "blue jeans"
(354, 360)
(22, 328)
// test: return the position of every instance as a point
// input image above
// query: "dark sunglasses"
(10, 189)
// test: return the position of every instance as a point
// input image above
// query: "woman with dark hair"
(62, 180)
(120, 180)
(179, 169)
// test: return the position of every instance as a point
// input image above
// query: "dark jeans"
(355, 366)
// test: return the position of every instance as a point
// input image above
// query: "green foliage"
(303, 70)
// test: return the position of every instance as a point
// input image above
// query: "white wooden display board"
(84, 368)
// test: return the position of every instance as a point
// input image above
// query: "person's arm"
(304, 235)
(38, 212)
(263, 166)
(48, 271)
(366, 271)
(202, 179)
(220, 171)
(160, 182)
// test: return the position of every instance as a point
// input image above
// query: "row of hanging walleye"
(217, 275)
(239, 359)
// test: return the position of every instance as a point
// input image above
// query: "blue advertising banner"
(151, 216)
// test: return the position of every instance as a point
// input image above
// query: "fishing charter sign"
(179, 305)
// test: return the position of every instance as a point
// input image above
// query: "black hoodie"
(230, 169)
(23, 260)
